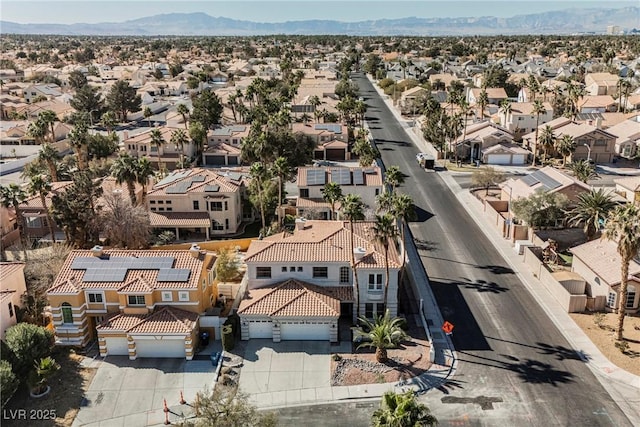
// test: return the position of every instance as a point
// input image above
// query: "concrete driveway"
(131, 393)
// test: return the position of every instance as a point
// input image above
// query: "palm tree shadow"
(481, 285)
(425, 245)
(421, 214)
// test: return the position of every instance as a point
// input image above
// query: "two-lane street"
(515, 367)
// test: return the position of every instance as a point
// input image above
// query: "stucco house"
(479, 137)
(140, 145)
(598, 262)
(546, 179)
(12, 287)
(522, 120)
(627, 135)
(135, 303)
(629, 188)
(601, 83)
(301, 283)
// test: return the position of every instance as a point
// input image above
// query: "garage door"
(260, 329)
(307, 331)
(336, 154)
(160, 348)
(519, 159)
(214, 160)
(499, 159)
(117, 346)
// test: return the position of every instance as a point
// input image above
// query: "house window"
(263, 272)
(169, 209)
(368, 310)
(226, 223)
(183, 296)
(215, 206)
(380, 309)
(167, 296)
(344, 275)
(10, 305)
(611, 299)
(168, 202)
(67, 313)
(320, 272)
(226, 206)
(631, 297)
(217, 226)
(136, 300)
(196, 205)
(304, 192)
(375, 282)
(93, 297)
(284, 269)
(600, 142)
(153, 202)
(377, 191)
(299, 269)
(292, 269)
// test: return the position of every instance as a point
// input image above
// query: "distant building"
(614, 29)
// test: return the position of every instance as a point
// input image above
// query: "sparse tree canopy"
(540, 209)
(227, 265)
(486, 178)
(221, 408)
(123, 224)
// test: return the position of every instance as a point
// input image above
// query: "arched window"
(67, 313)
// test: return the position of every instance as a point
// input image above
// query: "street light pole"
(588, 152)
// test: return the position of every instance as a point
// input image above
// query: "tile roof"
(372, 176)
(292, 298)
(69, 279)
(136, 285)
(326, 241)
(165, 320)
(601, 256)
(629, 182)
(205, 177)
(520, 188)
(9, 268)
(179, 219)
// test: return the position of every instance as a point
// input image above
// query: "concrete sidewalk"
(623, 386)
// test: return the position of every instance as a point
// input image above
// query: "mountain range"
(569, 21)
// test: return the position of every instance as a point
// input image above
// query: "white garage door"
(260, 329)
(519, 159)
(117, 346)
(499, 159)
(160, 348)
(308, 331)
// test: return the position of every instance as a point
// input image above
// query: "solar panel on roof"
(546, 180)
(341, 176)
(530, 180)
(197, 178)
(179, 188)
(358, 177)
(104, 275)
(172, 178)
(211, 188)
(315, 177)
(173, 274)
(331, 127)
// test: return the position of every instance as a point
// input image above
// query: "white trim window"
(167, 296)
(375, 282)
(631, 297)
(136, 300)
(183, 296)
(611, 299)
(95, 297)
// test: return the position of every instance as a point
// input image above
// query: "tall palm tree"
(144, 170)
(282, 171)
(158, 141)
(332, 193)
(38, 185)
(548, 140)
(505, 108)
(314, 101)
(78, 139)
(583, 170)
(592, 208)
(575, 93)
(123, 170)
(623, 227)
(198, 135)
(11, 196)
(385, 232)
(179, 139)
(353, 210)
(259, 174)
(109, 121)
(147, 113)
(49, 118)
(384, 201)
(400, 410)
(50, 156)
(382, 333)
(183, 110)
(483, 100)
(393, 176)
(538, 108)
(37, 130)
(565, 146)
(404, 210)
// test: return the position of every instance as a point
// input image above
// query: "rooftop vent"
(359, 253)
(301, 223)
(97, 251)
(194, 251)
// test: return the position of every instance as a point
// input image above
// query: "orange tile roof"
(373, 178)
(9, 268)
(602, 257)
(292, 298)
(226, 183)
(182, 260)
(325, 241)
(179, 219)
(137, 285)
(165, 320)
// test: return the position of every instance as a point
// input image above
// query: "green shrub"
(8, 382)
(598, 319)
(228, 342)
(28, 343)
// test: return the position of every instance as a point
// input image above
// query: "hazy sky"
(92, 11)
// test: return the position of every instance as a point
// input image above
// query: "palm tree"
(147, 114)
(483, 100)
(37, 130)
(538, 108)
(548, 140)
(384, 201)
(179, 139)
(282, 171)
(183, 110)
(123, 170)
(314, 100)
(404, 210)
(49, 118)
(623, 227)
(198, 135)
(382, 333)
(332, 193)
(402, 410)
(565, 146)
(38, 185)
(385, 232)
(583, 170)
(393, 176)
(505, 108)
(353, 210)
(144, 170)
(78, 139)
(50, 157)
(259, 174)
(158, 141)
(109, 121)
(11, 196)
(592, 209)
(576, 92)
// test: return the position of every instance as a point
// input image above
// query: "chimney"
(599, 123)
(590, 122)
(96, 251)
(194, 251)
(125, 135)
(359, 253)
(301, 223)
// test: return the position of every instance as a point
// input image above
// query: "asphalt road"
(515, 368)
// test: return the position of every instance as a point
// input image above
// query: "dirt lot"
(603, 338)
(67, 389)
